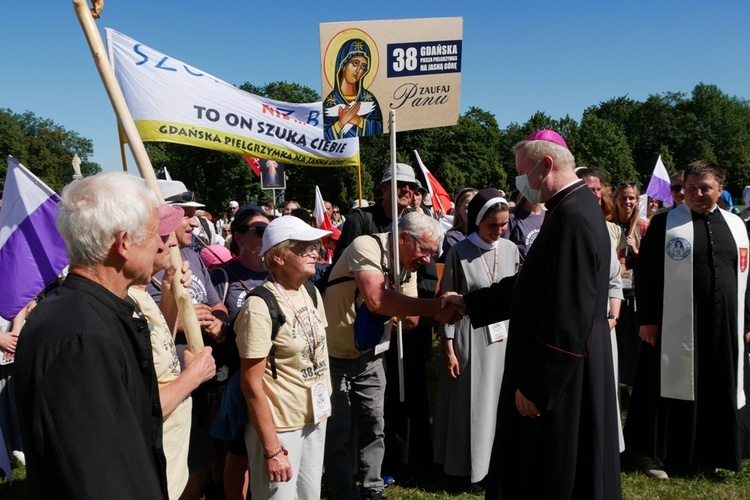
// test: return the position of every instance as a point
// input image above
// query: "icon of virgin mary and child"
(351, 110)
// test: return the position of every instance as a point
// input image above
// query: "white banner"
(173, 102)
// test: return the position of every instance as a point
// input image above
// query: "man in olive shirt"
(361, 278)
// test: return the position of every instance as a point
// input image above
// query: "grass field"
(635, 486)
(433, 484)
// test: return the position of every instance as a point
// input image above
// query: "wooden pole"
(184, 304)
(396, 265)
(123, 156)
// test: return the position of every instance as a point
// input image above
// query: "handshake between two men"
(452, 308)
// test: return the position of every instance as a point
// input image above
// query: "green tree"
(723, 126)
(467, 153)
(283, 91)
(667, 159)
(44, 147)
(603, 144)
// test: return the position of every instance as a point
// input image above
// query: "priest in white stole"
(689, 396)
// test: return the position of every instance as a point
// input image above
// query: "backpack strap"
(384, 263)
(277, 319)
(224, 282)
(310, 287)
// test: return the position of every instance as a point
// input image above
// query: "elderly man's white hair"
(417, 224)
(94, 209)
(536, 150)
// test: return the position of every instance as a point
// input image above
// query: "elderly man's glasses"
(424, 250)
(676, 188)
(182, 197)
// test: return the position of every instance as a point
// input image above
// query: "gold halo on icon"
(332, 50)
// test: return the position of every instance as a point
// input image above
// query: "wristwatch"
(612, 316)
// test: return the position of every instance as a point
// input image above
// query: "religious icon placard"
(412, 66)
(272, 175)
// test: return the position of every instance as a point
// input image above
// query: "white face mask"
(523, 186)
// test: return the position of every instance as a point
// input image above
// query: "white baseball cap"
(289, 228)
(175, 193)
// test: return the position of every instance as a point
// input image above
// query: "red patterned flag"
(441, 200)
(254, 164)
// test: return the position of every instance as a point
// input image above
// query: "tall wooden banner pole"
(184, 304)
(396, 265)
(124, 158)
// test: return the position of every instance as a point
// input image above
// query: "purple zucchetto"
(547, 135)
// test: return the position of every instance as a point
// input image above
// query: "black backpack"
(277, 317)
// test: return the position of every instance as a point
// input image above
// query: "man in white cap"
(233, 207)
(377, 218)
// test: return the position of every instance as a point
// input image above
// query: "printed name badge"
(321, 401)
(385, 340)
(497, 332)
(627, 279)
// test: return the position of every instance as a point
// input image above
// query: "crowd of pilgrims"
(451, 428)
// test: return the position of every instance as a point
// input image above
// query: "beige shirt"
(364, 254)
(176, 427)
(288, 395)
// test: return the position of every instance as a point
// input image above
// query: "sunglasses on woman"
(259, 230)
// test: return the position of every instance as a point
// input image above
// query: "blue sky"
(518, 57)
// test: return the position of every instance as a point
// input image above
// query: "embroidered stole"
(677, 330)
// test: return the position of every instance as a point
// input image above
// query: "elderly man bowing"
(85, 381)
(360, 299)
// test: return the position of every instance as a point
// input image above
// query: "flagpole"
(124, 158)
(184, 304)
(396, 262)
(359, 182)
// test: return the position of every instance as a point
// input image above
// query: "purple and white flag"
(32, 252)
(658, 186)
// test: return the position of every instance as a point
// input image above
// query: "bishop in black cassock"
(557, 433)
